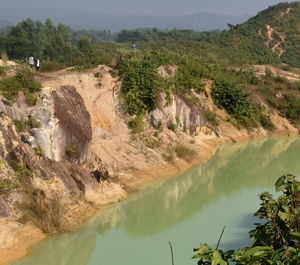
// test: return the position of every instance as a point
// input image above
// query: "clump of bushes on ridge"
(22, 81)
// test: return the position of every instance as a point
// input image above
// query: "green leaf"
(217, 259)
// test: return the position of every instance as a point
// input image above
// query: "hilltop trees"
(35, 38)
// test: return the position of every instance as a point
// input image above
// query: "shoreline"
(19, 243)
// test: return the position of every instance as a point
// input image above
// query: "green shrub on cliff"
(234, 100)
(6, 186)
(140, 79)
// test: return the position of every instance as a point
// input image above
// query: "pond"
(187, 209)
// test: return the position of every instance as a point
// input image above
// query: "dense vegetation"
(248, 43)
(276, 239)
(141, 85)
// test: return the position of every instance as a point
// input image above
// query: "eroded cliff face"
(52, 153)
(78, 147)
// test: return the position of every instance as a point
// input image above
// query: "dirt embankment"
(91, 158)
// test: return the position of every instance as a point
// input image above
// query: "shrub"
(234, 100)
(185, 153)
(140, 80)
(6, 186)
(39, 151)
(71, 150)
(169, 155)
(22, 172)
(292, 107)
(152, 142)
(22, 81)
(21, 125)
(172, 127)
(136, 124)
(189, 77)
(2, 71)
(211, 117)
(266, 122)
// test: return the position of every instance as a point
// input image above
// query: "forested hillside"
(271, 37)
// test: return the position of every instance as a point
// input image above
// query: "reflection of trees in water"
(233, 168)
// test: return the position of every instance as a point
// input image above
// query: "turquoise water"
(187, 209)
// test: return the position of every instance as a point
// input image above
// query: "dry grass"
(185, 153)
(45, 213)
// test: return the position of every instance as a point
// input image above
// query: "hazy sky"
(151, 7)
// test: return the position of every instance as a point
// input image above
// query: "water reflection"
(196, 200)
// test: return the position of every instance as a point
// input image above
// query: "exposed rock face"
(60, 119)
(48, 133)
(178, 112)
(73, 119)
(73, 176)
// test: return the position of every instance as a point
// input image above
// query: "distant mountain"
(87, 20)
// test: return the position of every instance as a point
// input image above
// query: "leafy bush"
(234, 100)
(140, 79)
(136, 124)
(190, 76)
(172, 127)
(276, 239)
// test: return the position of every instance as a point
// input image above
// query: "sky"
(150, 7)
